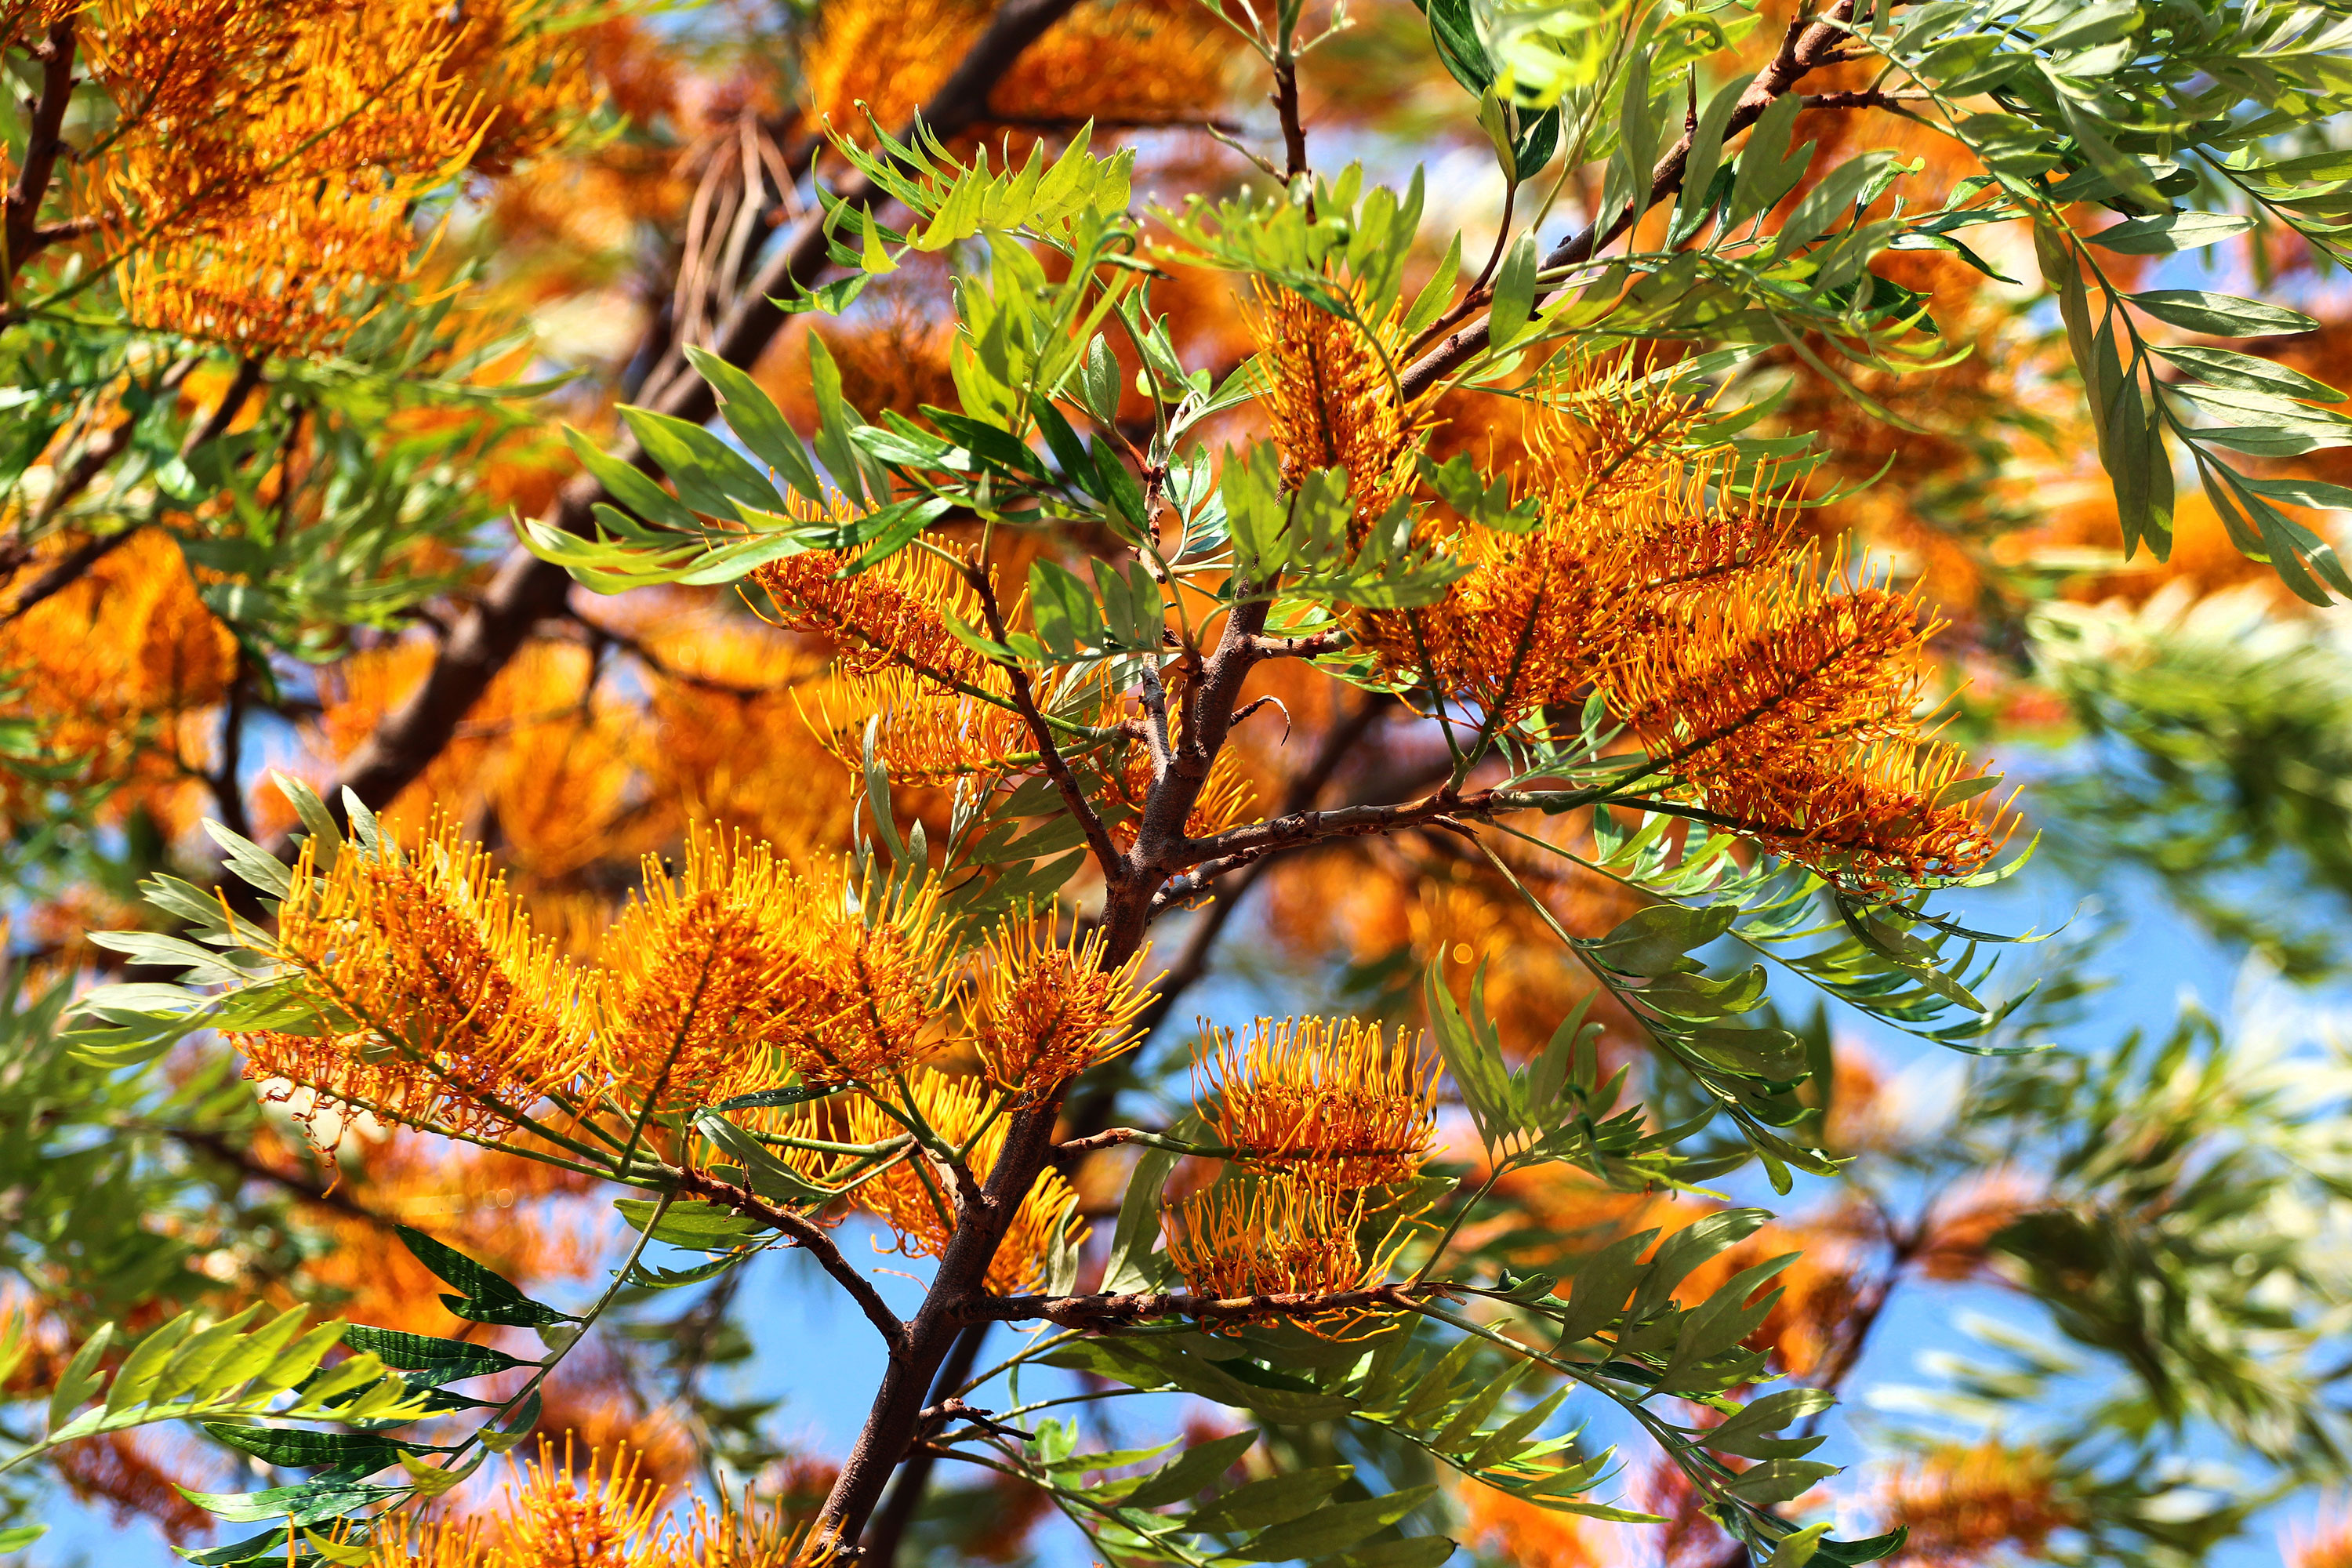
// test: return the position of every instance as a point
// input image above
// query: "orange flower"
(1324, 1097)
(1331, 398)
(1276, 1236)
(703, 971)
(266, 160)
(876, 983)
(441, 1006)
(609, 1517)
(892, 616)
(1045, 1012)
(926, 735)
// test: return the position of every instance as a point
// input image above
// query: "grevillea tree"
(1524, 526)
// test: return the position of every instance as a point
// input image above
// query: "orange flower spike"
(702, 970)
(880, 973)
(1761, 673)
(1323, 1097)
(748, 1536)
(1284, 1235)
(893, 616)
(560, 1516)
(1332, 400)
(1043, 1012)
(462, 1017)
(926, 736)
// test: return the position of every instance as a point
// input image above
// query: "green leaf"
(2164, 233)
(484, 1297)
(710, 475)
(1655, 941)
(1764, 175)
(1515, 294)
(1698, 194)
(145, 1363)
(17, 1538)
(297, 1448)
(1686, 1249)
(251, 862)
(834, 448)
(1133, 1264)
(451, 1360)
(2221, 315)
(329, 1496)
(631, 486)
(768, 1176)
(81, 1378)
(1600, 1285)
(691, 1222)
(1335, 1527)
(2245, 372)
(1194, 1471)
(325, 839)
(1066, 617)
(1277, 1499)
(1413, 1551)
(758, 423)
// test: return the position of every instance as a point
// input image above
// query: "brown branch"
(1230, 851)
(526, 590)
(44, 145)
(809, 1236)
(1804, 50)
(893, 1424)
(897, 1510)
(1868, 98)
(1118, 1311)
(1285, 106)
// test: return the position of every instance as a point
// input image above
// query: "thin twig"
(807, 1234)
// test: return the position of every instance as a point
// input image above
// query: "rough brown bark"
(43, 143)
